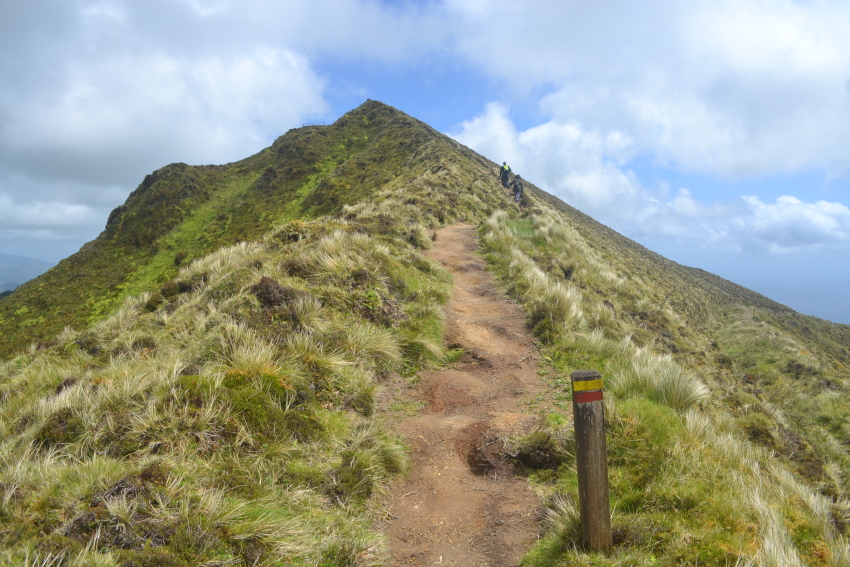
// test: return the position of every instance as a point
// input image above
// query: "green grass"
(221, 405)
(184, 212)
(228, 415)
(725, 424)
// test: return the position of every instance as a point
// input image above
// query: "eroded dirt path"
(459, 506)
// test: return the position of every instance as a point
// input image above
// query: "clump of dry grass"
(657, 377)
(563, 521)
(679, 457)
(204, 385)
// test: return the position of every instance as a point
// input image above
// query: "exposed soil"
(461, 504)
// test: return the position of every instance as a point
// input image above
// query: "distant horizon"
(16, 269)
(52, 263)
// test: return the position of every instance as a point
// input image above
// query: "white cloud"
(735, 88)
(207, 8)
(492, 134)
(790, 225)
(42, 215)
(135, 113)
(349, 30)
(41, 219)
(105, 12)
(582, 167)
(588, 170)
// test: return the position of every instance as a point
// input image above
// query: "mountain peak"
(180, 212)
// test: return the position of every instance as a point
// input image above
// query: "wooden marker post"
(591, 458)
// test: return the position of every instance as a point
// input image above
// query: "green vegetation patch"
(227, 415)
(180, 212)
(725, 425)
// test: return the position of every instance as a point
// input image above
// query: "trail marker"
(591, 458)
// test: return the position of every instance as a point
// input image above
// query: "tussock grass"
(371, 346)
(659, 378)
(563, 522)
(208, 423)
(223, 420)
(702, 466)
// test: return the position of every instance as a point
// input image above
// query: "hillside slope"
(691, 290)
(214, 399)
(229, 415)
(182, 212)
(728, 420)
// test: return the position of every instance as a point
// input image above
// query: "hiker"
(516, 185)
(503, 173)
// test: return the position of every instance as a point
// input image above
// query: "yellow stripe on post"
(591, 459)
(581, 386)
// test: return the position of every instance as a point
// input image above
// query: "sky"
(714, 133)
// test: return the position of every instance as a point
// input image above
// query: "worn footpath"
(461, 505)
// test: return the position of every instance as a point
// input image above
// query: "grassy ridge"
(726, 434)
(182, 212)
(219, 408)
(226, 417)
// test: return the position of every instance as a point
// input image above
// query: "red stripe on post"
(591, 462)
(582, 397)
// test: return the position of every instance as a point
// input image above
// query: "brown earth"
(461, 504)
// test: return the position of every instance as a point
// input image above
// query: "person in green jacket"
(503, 173)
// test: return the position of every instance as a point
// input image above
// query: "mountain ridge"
(170, 197)
(217, 398)
(180, 212)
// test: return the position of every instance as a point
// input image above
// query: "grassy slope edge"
(228, 418)
(181, 212)
(727, 422)
(223, 413)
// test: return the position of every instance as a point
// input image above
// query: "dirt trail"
(460, 506)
